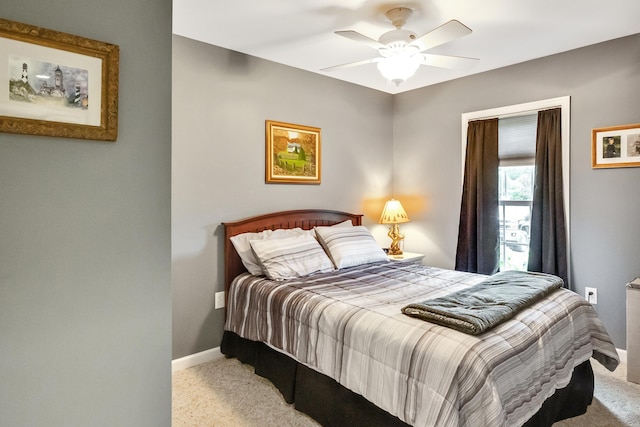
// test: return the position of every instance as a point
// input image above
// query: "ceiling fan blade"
(352, 64)
(361, 38)
(444, 33)
(446, 61)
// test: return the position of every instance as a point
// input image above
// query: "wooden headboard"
(305, 219)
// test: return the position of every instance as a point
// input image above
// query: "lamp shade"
(393, 213)
(398, 68)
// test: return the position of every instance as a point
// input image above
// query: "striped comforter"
(348, 325)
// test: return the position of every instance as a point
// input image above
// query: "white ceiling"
(300, 33)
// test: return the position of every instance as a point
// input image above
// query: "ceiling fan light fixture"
(399, 68)
(401, 50)
(398, 37)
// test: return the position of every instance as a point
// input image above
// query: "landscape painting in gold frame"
(615, 146)
(292, 153)
(57, 84)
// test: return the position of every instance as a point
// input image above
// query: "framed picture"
(292, 153)
(57, 84)
(615, 146)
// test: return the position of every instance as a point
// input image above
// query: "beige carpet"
(226, 393)
(616, 402)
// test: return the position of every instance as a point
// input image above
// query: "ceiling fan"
(401, 50)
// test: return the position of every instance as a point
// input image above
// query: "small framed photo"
(615, 146)
(57, 84)
(292, 153)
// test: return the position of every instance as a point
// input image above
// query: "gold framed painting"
(292, 153)
(57, 84)
(615, 146)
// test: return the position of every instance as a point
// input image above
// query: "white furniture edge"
(407, 257)
(196, 359)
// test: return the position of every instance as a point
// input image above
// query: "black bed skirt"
(331, 404)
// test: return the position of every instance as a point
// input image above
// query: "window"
(516, 195)
(516, 151)
(516, 172)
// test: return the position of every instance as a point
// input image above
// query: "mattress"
(348, 325)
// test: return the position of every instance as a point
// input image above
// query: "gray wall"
(85, 297)
(604, 84)
(221, 100)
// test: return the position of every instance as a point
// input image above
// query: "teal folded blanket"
(481, 307)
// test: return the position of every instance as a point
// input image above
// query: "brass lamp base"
(396, 238)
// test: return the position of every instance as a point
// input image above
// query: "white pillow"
(243, 247)
(350, 246)
(291, 257)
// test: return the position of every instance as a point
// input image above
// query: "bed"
(383, 368)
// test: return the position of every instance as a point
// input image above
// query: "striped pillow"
(349, 246)
(242, 243)
(291, 257)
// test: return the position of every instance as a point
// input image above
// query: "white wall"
(221, 100)
(85, 241)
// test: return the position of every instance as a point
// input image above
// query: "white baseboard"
(196, 359)
(622, 354)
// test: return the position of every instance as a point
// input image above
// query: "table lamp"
(392, 215)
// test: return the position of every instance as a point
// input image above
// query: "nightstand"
(407, 257)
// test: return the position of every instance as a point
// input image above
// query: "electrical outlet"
(591, 295)
(219, 303)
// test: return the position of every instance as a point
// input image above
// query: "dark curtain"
(548, 245)
(478, 233)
